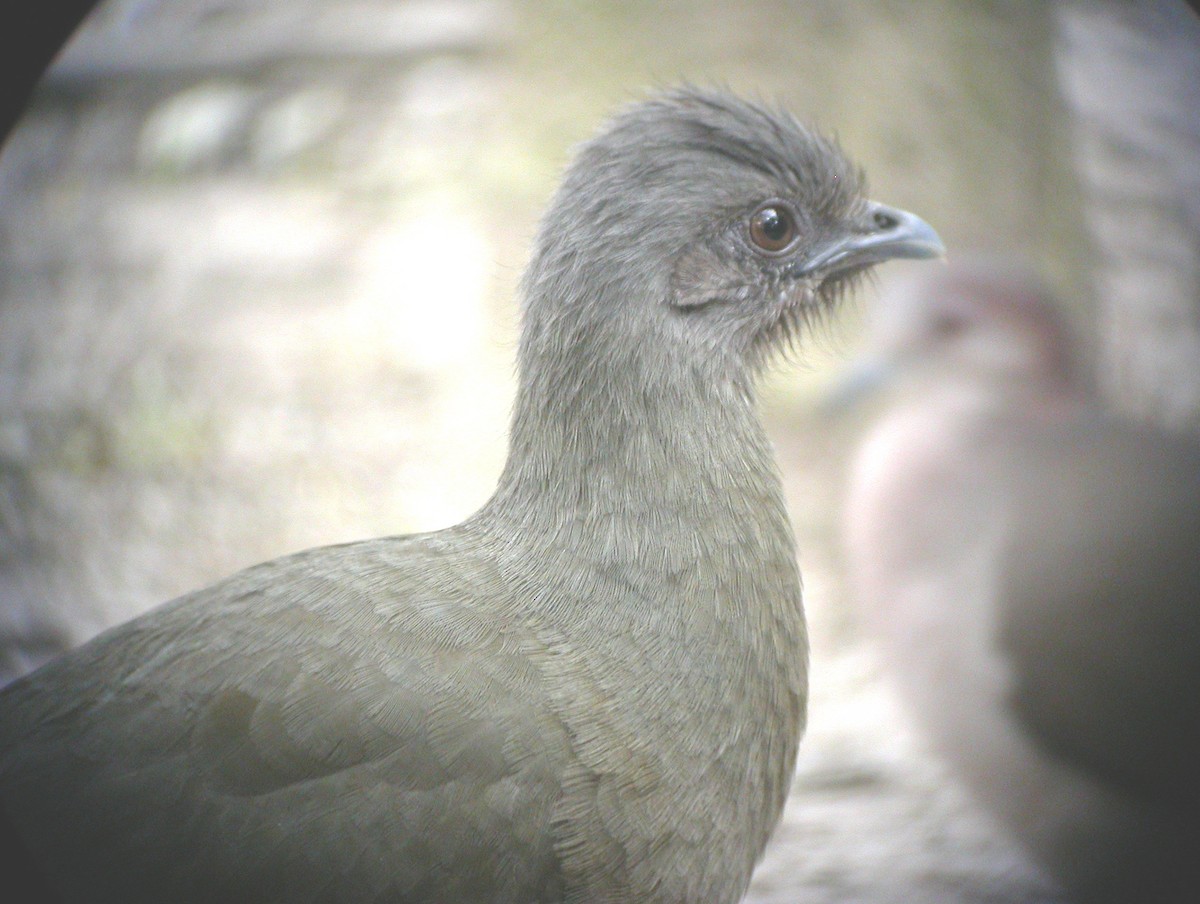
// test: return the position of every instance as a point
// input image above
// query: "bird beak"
(863, 379)
(894, 234)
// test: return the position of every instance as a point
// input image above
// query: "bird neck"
(641, 505)
(634, 436)
(1045, 395)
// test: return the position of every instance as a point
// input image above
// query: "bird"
(593, 688)
(1027, 563)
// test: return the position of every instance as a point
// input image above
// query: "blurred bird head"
(705, 224)
(975, 322)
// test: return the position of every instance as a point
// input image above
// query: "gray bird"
(592, 689)
(1030, 566)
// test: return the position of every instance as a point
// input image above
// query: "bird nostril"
(885, 220)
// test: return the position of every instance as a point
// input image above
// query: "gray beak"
(864, 378)
(894, 234)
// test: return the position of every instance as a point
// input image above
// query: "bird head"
(709, 225)
(979, 322)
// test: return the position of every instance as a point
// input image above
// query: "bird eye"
(772, 228)
(947, 326)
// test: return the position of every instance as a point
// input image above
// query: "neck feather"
(644, 430)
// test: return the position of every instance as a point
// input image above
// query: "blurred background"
(258, 262)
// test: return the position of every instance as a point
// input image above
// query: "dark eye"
(772, 227)
(947, 326)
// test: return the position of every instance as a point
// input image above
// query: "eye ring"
(772, 228)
